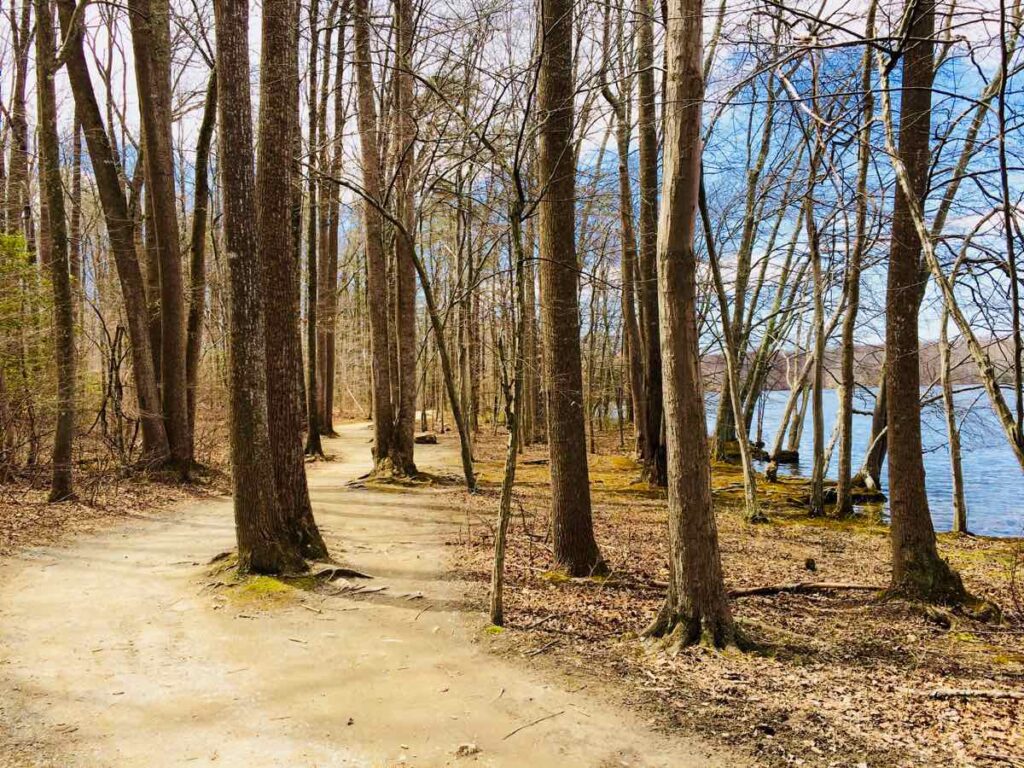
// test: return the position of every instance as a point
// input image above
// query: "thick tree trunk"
(917, 569)
(697, 607)
(150, 22)
(405, 271)
(120, 230)
(573, 531)
(373, 238)
(61, 486)
(313, 444)
(197, 250)
(265, 543)
(278, 124)
(653, 446)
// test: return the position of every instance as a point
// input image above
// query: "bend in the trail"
(113, 654)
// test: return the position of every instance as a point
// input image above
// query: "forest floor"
(841, 678)
(130, 644)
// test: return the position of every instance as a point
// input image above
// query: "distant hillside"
(867, 365)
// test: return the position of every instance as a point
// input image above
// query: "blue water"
(993, 481)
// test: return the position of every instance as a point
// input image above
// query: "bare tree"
(696, 608)
(575, 547)
(61, 485)
(150, 22)
(264, 542)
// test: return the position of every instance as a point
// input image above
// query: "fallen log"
(799, 588)
(803, 588)
(973, 693)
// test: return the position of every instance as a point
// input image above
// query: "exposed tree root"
(673, 630)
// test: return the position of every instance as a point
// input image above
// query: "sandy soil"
(114, 651)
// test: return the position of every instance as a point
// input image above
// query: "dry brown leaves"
(841, 679)
(27, 519)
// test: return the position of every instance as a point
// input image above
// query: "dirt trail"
(112, 653)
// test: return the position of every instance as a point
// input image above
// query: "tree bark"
(197, 250)
(956, 471)
(627, 236)
(844, 504)
(573, 532)
(653, 447)
(313, 444)
(264, 543)
(405, 271)
(150, 23)
(373, 239)
(917, 569)
(278, 123)
(696, 608)
(61, 485)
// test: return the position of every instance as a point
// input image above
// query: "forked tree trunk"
(61, 485)
(264, 541)
(120, 230)
(917, 569)
(697, 607)
(278, 124)
(150, 23)
(573, 532)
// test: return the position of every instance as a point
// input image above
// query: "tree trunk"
(405, 271)
(197, 250)
(329, 281)
(917, 569)
(278, 124)
(844, 504)
(870, 473)
(17, 196)
(573, 532)
(952, 428)
(696, 608)
(106, 168)
(817, 373)
(61, 487)
(731, 387)
(628, 268)
(653, 447)
(373, 238)
(313, 444)
(264, 541)
(150, 23)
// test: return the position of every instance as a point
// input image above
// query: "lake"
(993, 481)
